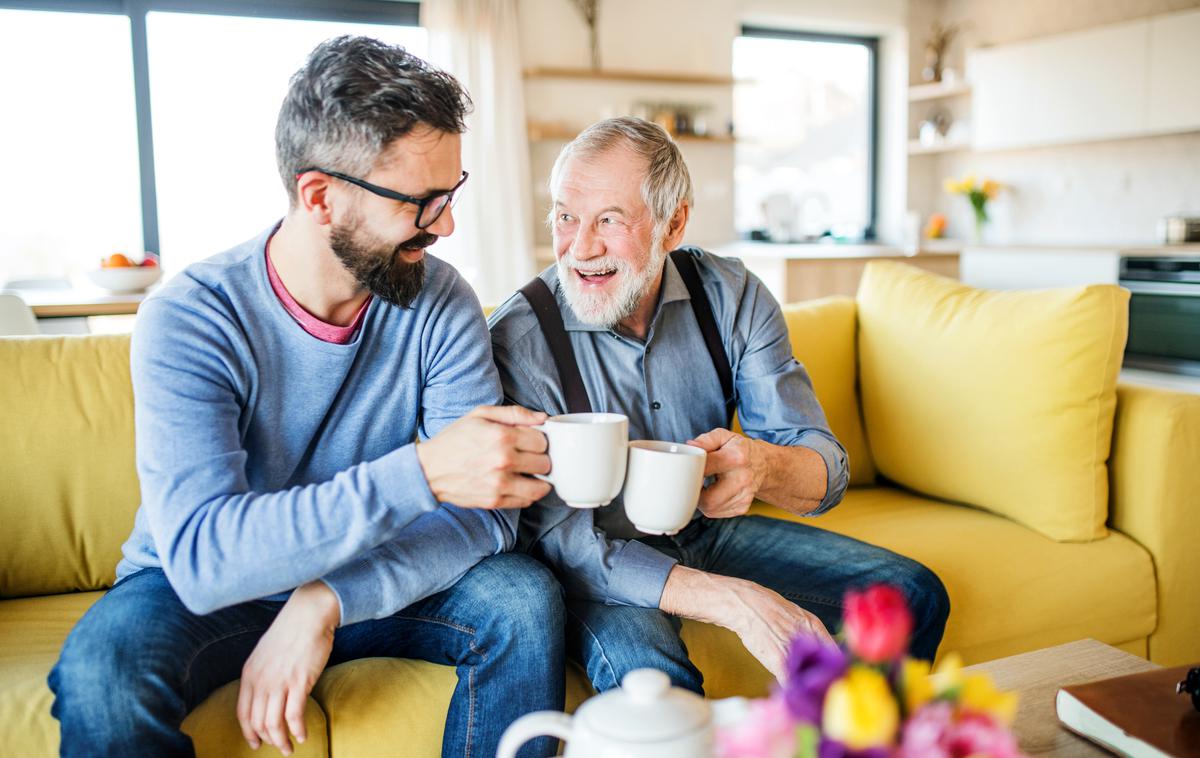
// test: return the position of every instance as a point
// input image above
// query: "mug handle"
(544, 477)
(536, 724)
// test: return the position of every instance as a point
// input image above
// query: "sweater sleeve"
(437, 549)
(219, 542)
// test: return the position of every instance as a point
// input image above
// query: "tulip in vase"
(865, 699)
(978, 194)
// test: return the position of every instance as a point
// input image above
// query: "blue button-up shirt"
(669, 389)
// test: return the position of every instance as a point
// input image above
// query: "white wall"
(1110, 192)
(683, 36)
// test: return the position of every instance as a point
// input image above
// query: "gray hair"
(667, 183)
(352, 98)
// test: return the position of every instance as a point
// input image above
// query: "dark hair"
(352, 98)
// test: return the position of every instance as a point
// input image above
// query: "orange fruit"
(118, 260)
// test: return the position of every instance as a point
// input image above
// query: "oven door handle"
(1161, 288)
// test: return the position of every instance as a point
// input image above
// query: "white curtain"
(492, 244)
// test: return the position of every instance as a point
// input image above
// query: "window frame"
(870, 233)
(395, 12)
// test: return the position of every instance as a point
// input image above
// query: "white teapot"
(645, 718)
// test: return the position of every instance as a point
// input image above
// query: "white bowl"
(126, 278)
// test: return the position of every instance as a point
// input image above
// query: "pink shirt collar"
(323, 331)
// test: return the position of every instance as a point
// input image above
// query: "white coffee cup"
(587, 456)
(663, 484)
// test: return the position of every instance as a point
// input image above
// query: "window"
(69, 137)
(150, 124)
(214, 123)
(805, 111)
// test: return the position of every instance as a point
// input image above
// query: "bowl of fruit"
(119, 273)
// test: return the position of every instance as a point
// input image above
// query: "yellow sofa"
(69, 493)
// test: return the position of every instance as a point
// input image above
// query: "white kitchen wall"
(683, 36)
(1109, 192)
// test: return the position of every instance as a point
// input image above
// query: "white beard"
(602, 309)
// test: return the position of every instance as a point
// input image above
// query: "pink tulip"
(768, 731)
(877, 623)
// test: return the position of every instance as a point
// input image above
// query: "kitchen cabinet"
(1088, 85)
(1174, 80)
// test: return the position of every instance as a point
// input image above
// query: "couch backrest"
(823, 337)
(68, 484)
(68, 488)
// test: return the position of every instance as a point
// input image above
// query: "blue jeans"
(811, 567)
(138, 661)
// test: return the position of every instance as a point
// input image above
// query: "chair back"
(16, 318)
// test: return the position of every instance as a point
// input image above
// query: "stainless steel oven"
(1164, 313)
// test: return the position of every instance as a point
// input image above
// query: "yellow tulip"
(860, 711)
(950, 185)
(990, 188)
(979, 693)
(968, 183)
(915, 684)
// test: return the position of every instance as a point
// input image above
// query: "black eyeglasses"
(429, 208)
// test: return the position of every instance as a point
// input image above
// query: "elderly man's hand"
(740, 466)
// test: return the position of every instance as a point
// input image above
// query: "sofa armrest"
(1155, 499)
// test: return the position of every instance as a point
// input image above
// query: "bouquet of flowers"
(867, 700)
(978, 195)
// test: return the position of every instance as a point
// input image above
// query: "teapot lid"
(646, 708)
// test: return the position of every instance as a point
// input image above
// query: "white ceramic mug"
(663, 485)
(587, 456)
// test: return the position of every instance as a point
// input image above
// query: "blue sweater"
(268, 458)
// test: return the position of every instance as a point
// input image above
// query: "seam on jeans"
(436, 620)
(470, 708)
(795, 598)
(187, 670)
(470, 669)
(612, 673)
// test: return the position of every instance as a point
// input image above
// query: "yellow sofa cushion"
(822, 333)
(1011, 589)
(32, 631)
(1002, 400)
(70, 488)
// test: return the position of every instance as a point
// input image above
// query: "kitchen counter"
(795, 272)
(1132, 249)
(1007, 267)
(831, 251)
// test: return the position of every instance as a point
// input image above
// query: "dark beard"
(380, 269)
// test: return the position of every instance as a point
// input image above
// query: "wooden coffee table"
(1036, 678)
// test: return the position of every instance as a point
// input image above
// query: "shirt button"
(655, 405)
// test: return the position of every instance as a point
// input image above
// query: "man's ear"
(676, 227)
(312, 193)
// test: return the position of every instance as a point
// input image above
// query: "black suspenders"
(545, 307)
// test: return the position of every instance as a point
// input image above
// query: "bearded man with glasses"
(325, 472)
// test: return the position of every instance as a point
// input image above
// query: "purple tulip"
(811, 667)
(834, 749)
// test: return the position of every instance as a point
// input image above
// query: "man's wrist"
(698, 595)
(321, 601)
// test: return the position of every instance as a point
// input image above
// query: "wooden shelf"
(916, 148)
(559, 132)
(937, 91)
(656, 77)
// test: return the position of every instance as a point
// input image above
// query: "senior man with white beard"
(677, 342)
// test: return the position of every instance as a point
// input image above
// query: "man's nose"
(444, 226)
(586, 244)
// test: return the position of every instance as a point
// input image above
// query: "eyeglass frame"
(375, 189)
